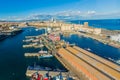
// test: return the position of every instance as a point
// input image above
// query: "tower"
(86, 24)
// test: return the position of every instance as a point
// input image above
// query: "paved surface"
(90, 66)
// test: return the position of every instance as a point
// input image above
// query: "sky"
(86, 8)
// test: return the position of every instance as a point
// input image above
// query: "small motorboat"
(88, 49)
(36, 29)
(46, 56)
(37, 68)
(43, 52)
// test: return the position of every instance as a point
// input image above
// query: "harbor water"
(13, 64)
(98, 48)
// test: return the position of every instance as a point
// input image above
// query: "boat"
(39, 68)
(36, 76)
(43, 52)
(46, 56)
(36, 29)
(88, 49)
(41, 45)
(61, 77)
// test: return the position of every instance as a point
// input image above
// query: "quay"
(32, 54)
(85, 65)
(53, 73)
(65, 75)
(39, 55)
(32, 36)
(89, 67)
(33, 45)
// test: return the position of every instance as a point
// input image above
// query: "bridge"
(86, 65)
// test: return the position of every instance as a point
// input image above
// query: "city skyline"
(94, 9)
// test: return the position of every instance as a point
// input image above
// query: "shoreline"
(102, 40)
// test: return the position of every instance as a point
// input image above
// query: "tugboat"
(36, 76)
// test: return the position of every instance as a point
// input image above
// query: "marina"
(65, 52)
(60, 40)
(87, 42)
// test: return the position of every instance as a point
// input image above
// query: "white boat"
(36, 29)
(41, 45)
(43, 52)
(88, 49)
(46, 56)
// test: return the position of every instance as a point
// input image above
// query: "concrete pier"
(53, 73)
(32, 54)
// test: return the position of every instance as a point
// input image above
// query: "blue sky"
(22, 8)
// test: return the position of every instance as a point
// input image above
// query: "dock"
(53, 73)
(40, 54)
(93, 68)
(86, 65)
(32, 46)
(32, 54)
(32, 37)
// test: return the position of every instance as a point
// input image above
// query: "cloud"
(68, 13)
(75, 14)
(91, 12)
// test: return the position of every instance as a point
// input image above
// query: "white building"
(97, 31)
(115, 37)
(66, 28)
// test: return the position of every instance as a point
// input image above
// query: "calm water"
(13, 64)
(111, 24)
(96, 47)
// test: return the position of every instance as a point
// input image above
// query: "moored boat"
(36, 76)
(46, 56)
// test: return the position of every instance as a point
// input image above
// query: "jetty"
(53, 73)
(32, 54)
(33, 46)
(39, 55)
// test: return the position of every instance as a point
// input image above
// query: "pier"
(32, 54)
(85, 65)
(53, 73)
